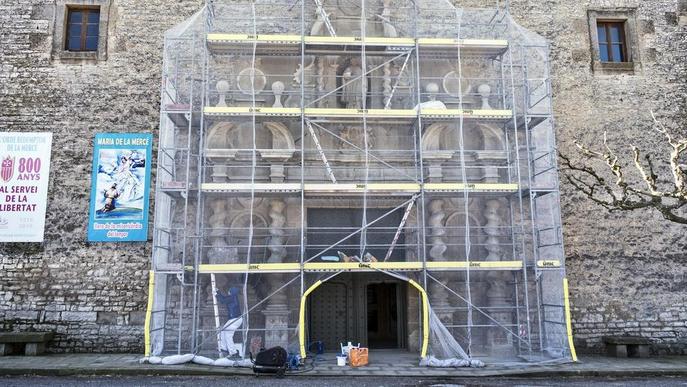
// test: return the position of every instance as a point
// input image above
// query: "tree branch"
(619, 194)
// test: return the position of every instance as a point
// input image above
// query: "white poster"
(24, 173)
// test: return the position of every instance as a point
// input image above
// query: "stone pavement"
(128, 364)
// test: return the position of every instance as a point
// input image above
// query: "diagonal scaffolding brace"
(398, 231)
(330, 172)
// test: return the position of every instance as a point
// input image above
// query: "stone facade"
(626, 271)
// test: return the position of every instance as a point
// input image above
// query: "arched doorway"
(304, 302)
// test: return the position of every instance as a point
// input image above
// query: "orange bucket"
(358, 357)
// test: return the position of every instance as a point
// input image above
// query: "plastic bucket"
(341, 361)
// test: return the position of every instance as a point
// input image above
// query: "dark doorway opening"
(382, 315)
(327, 226)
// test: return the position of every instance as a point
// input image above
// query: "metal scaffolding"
(303, 141)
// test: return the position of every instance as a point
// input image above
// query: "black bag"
(270, 361)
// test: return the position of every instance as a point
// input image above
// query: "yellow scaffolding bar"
(149, 312)
(354, 266)
(409, 114)
(568, 320)
(486, 44)
(407, 188)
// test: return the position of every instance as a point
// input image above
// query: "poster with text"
(24, 174)
(120, 186)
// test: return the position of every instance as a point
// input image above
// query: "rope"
(363, 92)
(466, 196)
(254, 162)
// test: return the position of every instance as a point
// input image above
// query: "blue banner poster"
(120, 187)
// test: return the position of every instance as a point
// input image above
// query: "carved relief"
(355, 136)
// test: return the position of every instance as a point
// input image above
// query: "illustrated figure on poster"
(123, 174)
(110, 195)
(355, 85)
(234, 321)
(121, 180)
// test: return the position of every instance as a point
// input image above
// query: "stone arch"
(431, 139)
(493, 139)
(281, 136)
(456, 236)
(442, 137)
(239, 231)
(219, 135)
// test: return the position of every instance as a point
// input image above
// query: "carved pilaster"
(498, 293)
(436, 222)
(277, 312)
(439, 294)
(217, 253)
(278, 220)
(492, 229)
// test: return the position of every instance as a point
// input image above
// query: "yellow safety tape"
(568, 320)
(149, 312)
(476, 187)
(467, 113)
(425, 317)
(243, 38)
(357, 188)
(332, 40)
(256, 267)
(246, 111)
(301, 317)
(548, 263)
(512, 265)
(336, 266)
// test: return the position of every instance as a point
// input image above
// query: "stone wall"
(92, 295)
(626, 271)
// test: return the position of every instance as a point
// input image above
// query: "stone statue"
(354, 85)
(389, 29)
(484, 92)
(277, 90)
(222, 89)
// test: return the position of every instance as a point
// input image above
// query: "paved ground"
(203, 381)
(128, 365)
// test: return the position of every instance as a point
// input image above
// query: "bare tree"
(667, 195)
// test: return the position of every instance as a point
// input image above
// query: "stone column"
(500, 342)
(219, 250)
(277, 312)
(439, 296)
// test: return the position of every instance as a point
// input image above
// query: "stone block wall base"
(34, 349)
(628, 350)
(5, 349)
(616, 350)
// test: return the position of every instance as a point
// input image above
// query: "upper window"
(83, 29)
(614, 41)
(612, 45)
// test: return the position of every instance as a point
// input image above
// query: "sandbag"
(155, 360)
(431, 361)
(177, 359)
(224, 362)
(203, 360)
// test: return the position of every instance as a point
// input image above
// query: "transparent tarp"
(380, 172)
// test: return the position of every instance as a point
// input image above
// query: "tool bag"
(270, 361)
(358, 357)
